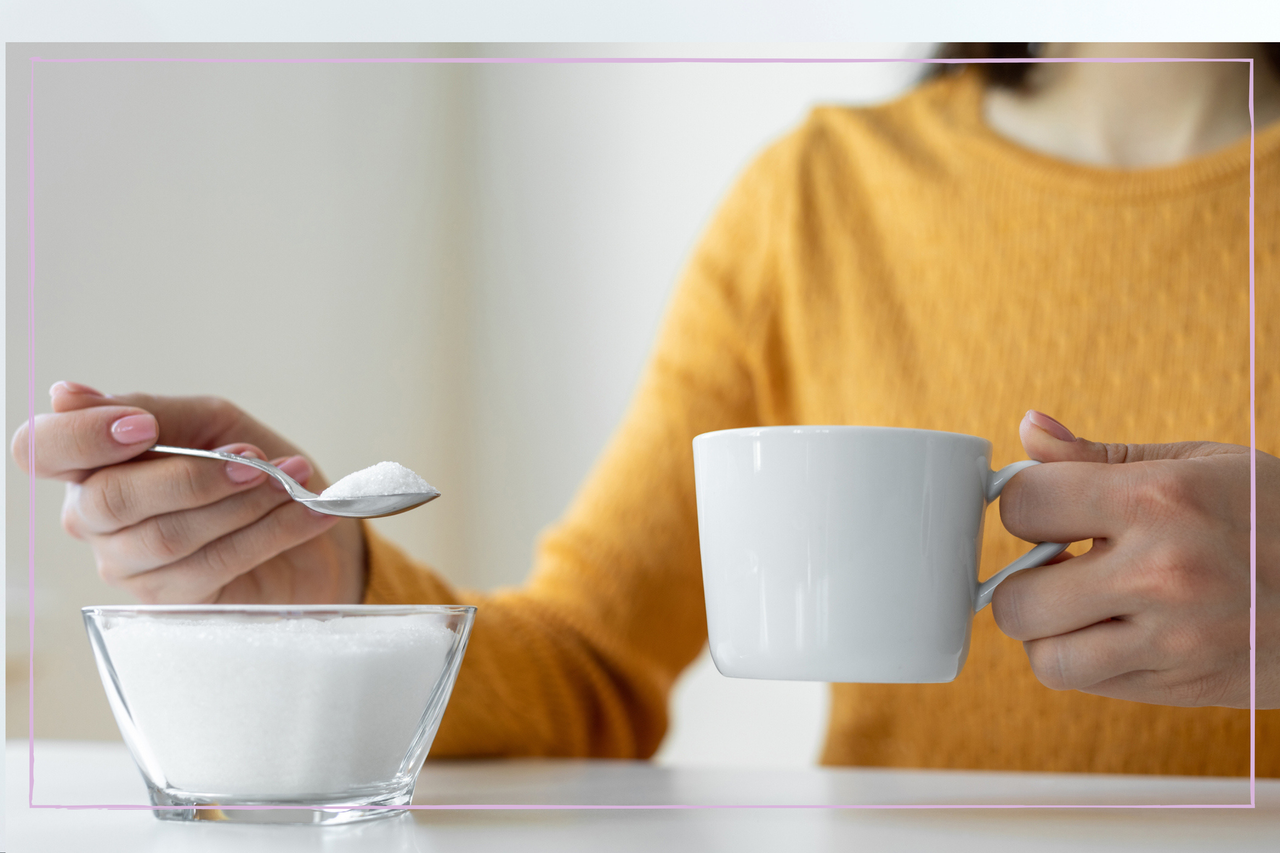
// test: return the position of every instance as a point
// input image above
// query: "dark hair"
(1013, 75)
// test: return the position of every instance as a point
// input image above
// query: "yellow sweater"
(898, 266)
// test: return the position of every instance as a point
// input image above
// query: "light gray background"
(497, 243)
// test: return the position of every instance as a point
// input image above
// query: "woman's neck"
(1136, 115)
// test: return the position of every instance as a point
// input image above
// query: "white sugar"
(385, 478)
(278, 708)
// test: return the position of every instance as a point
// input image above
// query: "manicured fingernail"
(1050, 426)
(296, 467)
(65, 387)
(244, 473)
(134, 429)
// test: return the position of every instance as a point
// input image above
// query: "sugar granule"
(288, 708)
(385, 478)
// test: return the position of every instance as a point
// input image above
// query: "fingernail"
(134, 429)
(244, 473)
(1050, 426)
(65, 387)
(296, 467)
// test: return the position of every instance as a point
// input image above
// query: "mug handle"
(1037, 556)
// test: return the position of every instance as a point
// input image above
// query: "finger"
(1047, 440)
(204, 422)
(67, 396)
(121, 496)
(64, 396)
(199, 421)
(1057, 599)
(1163, 687)
(68, 445)
(199, 578)
(1070, 501)
(1090, 656)
(164, 539)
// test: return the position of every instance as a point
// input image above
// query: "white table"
(80, 772)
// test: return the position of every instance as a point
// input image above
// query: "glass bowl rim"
(284, 609)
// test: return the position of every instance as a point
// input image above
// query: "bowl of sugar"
(261, 713)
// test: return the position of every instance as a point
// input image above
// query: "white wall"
(501, 238)
(243, 230)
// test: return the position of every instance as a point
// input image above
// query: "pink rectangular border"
(1253, 592)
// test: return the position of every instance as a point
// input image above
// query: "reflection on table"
(80, 773)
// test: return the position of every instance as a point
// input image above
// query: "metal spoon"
(368, 506)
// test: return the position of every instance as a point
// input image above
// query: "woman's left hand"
(1158, 609)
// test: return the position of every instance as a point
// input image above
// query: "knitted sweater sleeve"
(580, 660)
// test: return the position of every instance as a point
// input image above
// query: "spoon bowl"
(365, 506)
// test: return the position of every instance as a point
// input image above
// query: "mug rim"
(812, 429)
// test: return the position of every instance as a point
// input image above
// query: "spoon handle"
(292, 486)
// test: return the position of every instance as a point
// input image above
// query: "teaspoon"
(365, 506)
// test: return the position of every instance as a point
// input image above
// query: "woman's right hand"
(183, 530)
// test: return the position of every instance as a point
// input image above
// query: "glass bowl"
(261, 713)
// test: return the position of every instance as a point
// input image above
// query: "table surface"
(80, 773)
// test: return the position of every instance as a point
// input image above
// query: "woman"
(1072, 241)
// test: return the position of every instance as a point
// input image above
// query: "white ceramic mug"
(844, 553)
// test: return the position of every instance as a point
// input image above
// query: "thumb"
(1046, 440)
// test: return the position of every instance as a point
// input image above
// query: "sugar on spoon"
(351, 506)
